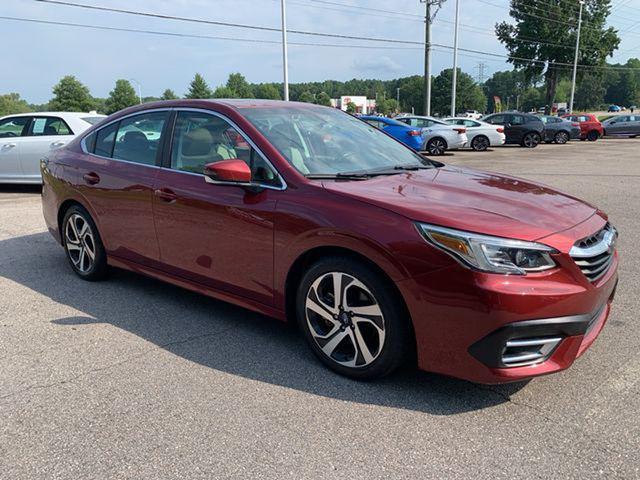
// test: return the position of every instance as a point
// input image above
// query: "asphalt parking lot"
(132, 378)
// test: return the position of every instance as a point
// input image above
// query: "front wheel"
(531, 140)
(480, 143)
(561, 138)
(436, 146)
(83, 245)
(352, 319)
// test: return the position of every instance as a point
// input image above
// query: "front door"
(217, 235)
(117, 179)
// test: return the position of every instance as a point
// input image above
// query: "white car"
(481, 135)
(27, 137)
(473, 114)
(438, 136)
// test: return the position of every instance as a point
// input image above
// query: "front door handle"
(57, 144)
(166, 195)
(91, 178)
(8, 145)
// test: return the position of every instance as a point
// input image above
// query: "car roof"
(57, 114)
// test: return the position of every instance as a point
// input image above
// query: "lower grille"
(594, 254)
(528, 351)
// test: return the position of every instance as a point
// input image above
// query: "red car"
(590, 127)
(380, 255)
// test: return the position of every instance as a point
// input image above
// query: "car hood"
(471, 200)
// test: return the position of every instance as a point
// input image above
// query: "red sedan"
(305, 213)
(590, 127)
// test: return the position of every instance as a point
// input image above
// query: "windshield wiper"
(414, 166)
(338, 176)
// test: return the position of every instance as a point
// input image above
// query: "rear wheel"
(83, 245)
(593, 135)
(561, 138)
(480, 143)
(436, 146)
(352, 319)
(530, 140)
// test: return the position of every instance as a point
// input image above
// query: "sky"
(36, 56)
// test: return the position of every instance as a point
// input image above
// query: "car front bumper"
(464, 320)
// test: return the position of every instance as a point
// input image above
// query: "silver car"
(437, 135)
(627, 125)
(26, 138)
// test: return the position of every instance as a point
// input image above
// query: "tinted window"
(497, 120)
(139, 137)
(90, 142)
(13, 127)
(517, 120)
(105, 139)
(48, 126)
(420, 122)
(93, 120)
(471, 123)
(375, 123)
(200, 138)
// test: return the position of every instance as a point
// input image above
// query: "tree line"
(516, 88)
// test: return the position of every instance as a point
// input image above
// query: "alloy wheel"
(480, 144)
(436, 147)
(562, 137)
(80, 243)
(530, 140)
(345, 319)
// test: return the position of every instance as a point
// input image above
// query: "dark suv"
(519, 128)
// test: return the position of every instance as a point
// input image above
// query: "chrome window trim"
(283, 184)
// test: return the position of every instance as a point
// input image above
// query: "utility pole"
(428, 19)
(398, 98)
(285, 60)
(481, 71)
(455, 60)
(575, 59)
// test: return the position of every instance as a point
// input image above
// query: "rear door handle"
(166, 195)
(91, 178)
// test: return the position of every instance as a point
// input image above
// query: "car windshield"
(325, 141)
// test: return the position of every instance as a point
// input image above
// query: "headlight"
(490, 254)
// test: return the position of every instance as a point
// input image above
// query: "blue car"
(410, 136)
(614, 108)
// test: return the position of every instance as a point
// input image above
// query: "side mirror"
(231, 172)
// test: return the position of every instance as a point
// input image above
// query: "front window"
(324, 141)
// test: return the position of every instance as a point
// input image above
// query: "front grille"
(594, 254)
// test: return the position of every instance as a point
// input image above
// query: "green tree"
(122, 96)
(224, 92)
(531, 99)
(387, 106)
(199, 88)
(307, 97)
(469, 95)
(556, 22)
(624, 85)
(590, 91)
(504, 84)
(169, 94)
(12, 103)
(351, 107)
(323, 99)
(411, 94)
(239, 85)
(267, 91)
(69, 95)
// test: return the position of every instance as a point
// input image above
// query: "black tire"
(593, 135)
(73, 223)
(561, 137)
(480, 143)
(337, 329)
(436, 146)
(530, 140)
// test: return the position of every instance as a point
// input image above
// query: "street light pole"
(285, 60)
(398, 98)
(455, 61)
(575, 59)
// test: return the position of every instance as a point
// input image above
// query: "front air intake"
(528, 351)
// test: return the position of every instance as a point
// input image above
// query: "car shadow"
(12, 188)
(224, 337)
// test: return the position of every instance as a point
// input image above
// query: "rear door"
(634, 125)
(44, 134)
(12, 130)
(117, 179)
(518, 127)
